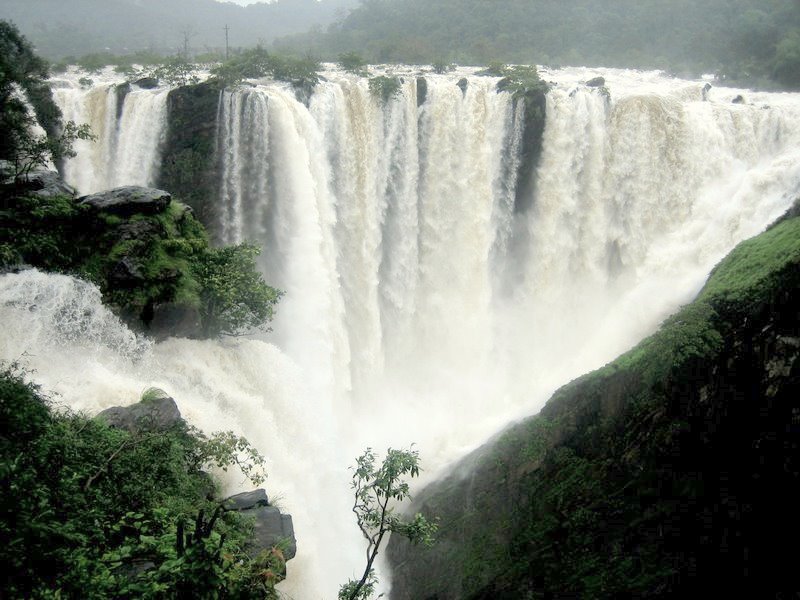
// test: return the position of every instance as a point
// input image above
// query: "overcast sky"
(242, 2)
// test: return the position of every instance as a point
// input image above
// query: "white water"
(127, 150)
(420, 307)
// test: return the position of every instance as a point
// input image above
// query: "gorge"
(432, 297)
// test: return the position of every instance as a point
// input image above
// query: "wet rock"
(422, 90)
(596, 82)
(270, 528)
(125, 273)
(44, 183)
(129, 200)
(706, 90)
(739, 100)
(247, 500)
(157, 414)
(147, 83)
(463, 84)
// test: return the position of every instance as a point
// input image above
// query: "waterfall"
(420, 305)
(127, 148)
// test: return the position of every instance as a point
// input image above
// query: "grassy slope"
(668, 470)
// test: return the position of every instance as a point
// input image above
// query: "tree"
(234, 296)
(23, 76)
(376, 491)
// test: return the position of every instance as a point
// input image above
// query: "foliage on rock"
(89, 511)
(384, 87)
(141, 262)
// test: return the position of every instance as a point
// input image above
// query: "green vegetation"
(88, 511)
(661, 473)
(234, 297)
(376, 490)
(142, 262)
(384, 88)
(302, 73)
(21, 70)
(749, 41)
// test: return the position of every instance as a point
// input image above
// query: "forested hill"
(58, 28)
(738, 38)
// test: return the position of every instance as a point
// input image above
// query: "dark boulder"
(463, 84)
(129, 200)
(739, 100)
(43, 183)
(126, 272)
(147, 83)
(270, 525)
(139, 230)
(152, 414)
(422, 90)
(596, 82)
(123, 89)
(247, 500)
(706, 89)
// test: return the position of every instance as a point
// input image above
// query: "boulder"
(247, 500)
(129, 200)
(139, 230)
(125, 272)
(146, 83)
(739, 100)
(44, 183)
(596, 82)
(463, 83)
(422, 90)
(157, 414)
(270, 526)
(706, 89)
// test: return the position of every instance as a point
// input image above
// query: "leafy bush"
(87, 511)
(302, 73)
(234, 297)
(384, 88)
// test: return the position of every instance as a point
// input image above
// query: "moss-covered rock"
(148, 254)
(671, 470)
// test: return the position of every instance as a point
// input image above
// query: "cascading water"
(420, 305)
(129, 132)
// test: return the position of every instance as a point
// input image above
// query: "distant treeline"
(749, 41)
(60, 29)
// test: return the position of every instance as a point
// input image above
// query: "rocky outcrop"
(190, 168)
(129, 200)
(596, 82)
(39, 182)
(156, 414)
(271, 528)
(146, 83)
(422, 91)
(671, 470)
(463, 83)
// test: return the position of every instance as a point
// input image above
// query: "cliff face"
(673, 469)
(190, 167)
